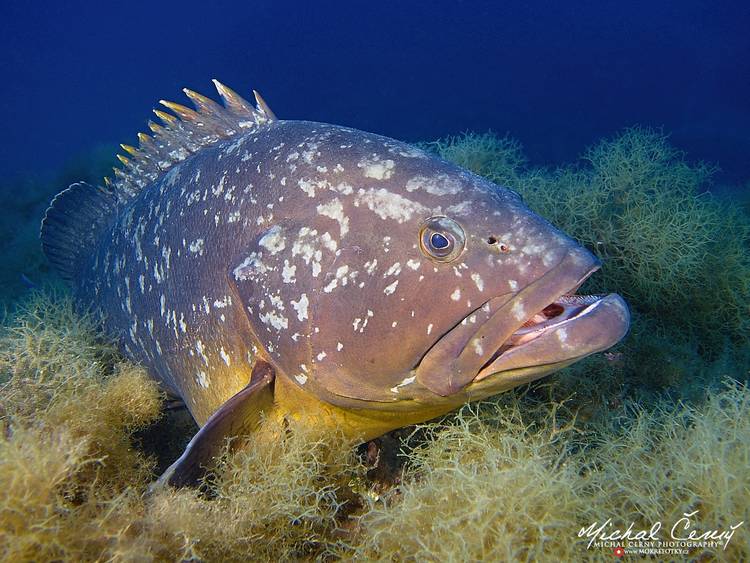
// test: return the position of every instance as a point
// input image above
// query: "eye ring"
(442, 239)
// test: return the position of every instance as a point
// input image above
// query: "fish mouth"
(571, 327)
(516, 338)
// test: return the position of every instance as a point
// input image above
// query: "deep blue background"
(556, 75)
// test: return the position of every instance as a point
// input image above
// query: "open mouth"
(523, 336)
(561, 312)
(553, 315)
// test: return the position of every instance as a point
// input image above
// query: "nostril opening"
(492, 240)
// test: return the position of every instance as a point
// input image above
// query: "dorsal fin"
(77, 215)
(182, 134)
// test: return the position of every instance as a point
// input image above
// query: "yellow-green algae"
(84, 433)
(513, 479)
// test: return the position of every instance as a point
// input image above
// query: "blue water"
(557, 75)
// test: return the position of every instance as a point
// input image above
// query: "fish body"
(309, 268)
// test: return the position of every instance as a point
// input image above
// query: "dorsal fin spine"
(183, 134)
(167, 118)
(234, 102)
(263, 107)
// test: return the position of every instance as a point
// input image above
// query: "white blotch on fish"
(300, 306)
(273, 240)
(375, 168)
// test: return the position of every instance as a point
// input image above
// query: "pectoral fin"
(239, 416)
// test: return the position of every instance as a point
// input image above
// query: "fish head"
(510, 312)
(433, 286)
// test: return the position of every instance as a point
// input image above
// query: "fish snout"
(543, 324)
(532, 304)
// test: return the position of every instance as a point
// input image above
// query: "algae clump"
(67, 418)
(517, 481)
(74, 474)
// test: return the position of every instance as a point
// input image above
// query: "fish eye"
(439, 241)
(442, 239)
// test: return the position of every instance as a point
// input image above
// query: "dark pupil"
(439, 241)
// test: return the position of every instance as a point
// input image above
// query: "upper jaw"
(472, 351)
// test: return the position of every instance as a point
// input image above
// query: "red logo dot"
(619, 552)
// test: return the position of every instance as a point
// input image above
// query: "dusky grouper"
(318, 272)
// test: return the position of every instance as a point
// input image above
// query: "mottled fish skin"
(299, 243)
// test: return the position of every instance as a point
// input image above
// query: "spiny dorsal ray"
(184, 133)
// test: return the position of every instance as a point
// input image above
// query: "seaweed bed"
(656, 428)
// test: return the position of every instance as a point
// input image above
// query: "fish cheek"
(347, 346)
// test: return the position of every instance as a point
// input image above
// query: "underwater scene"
(459, 282)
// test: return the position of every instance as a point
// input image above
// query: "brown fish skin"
(308, 251)
(378, 303)
(319, 250)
